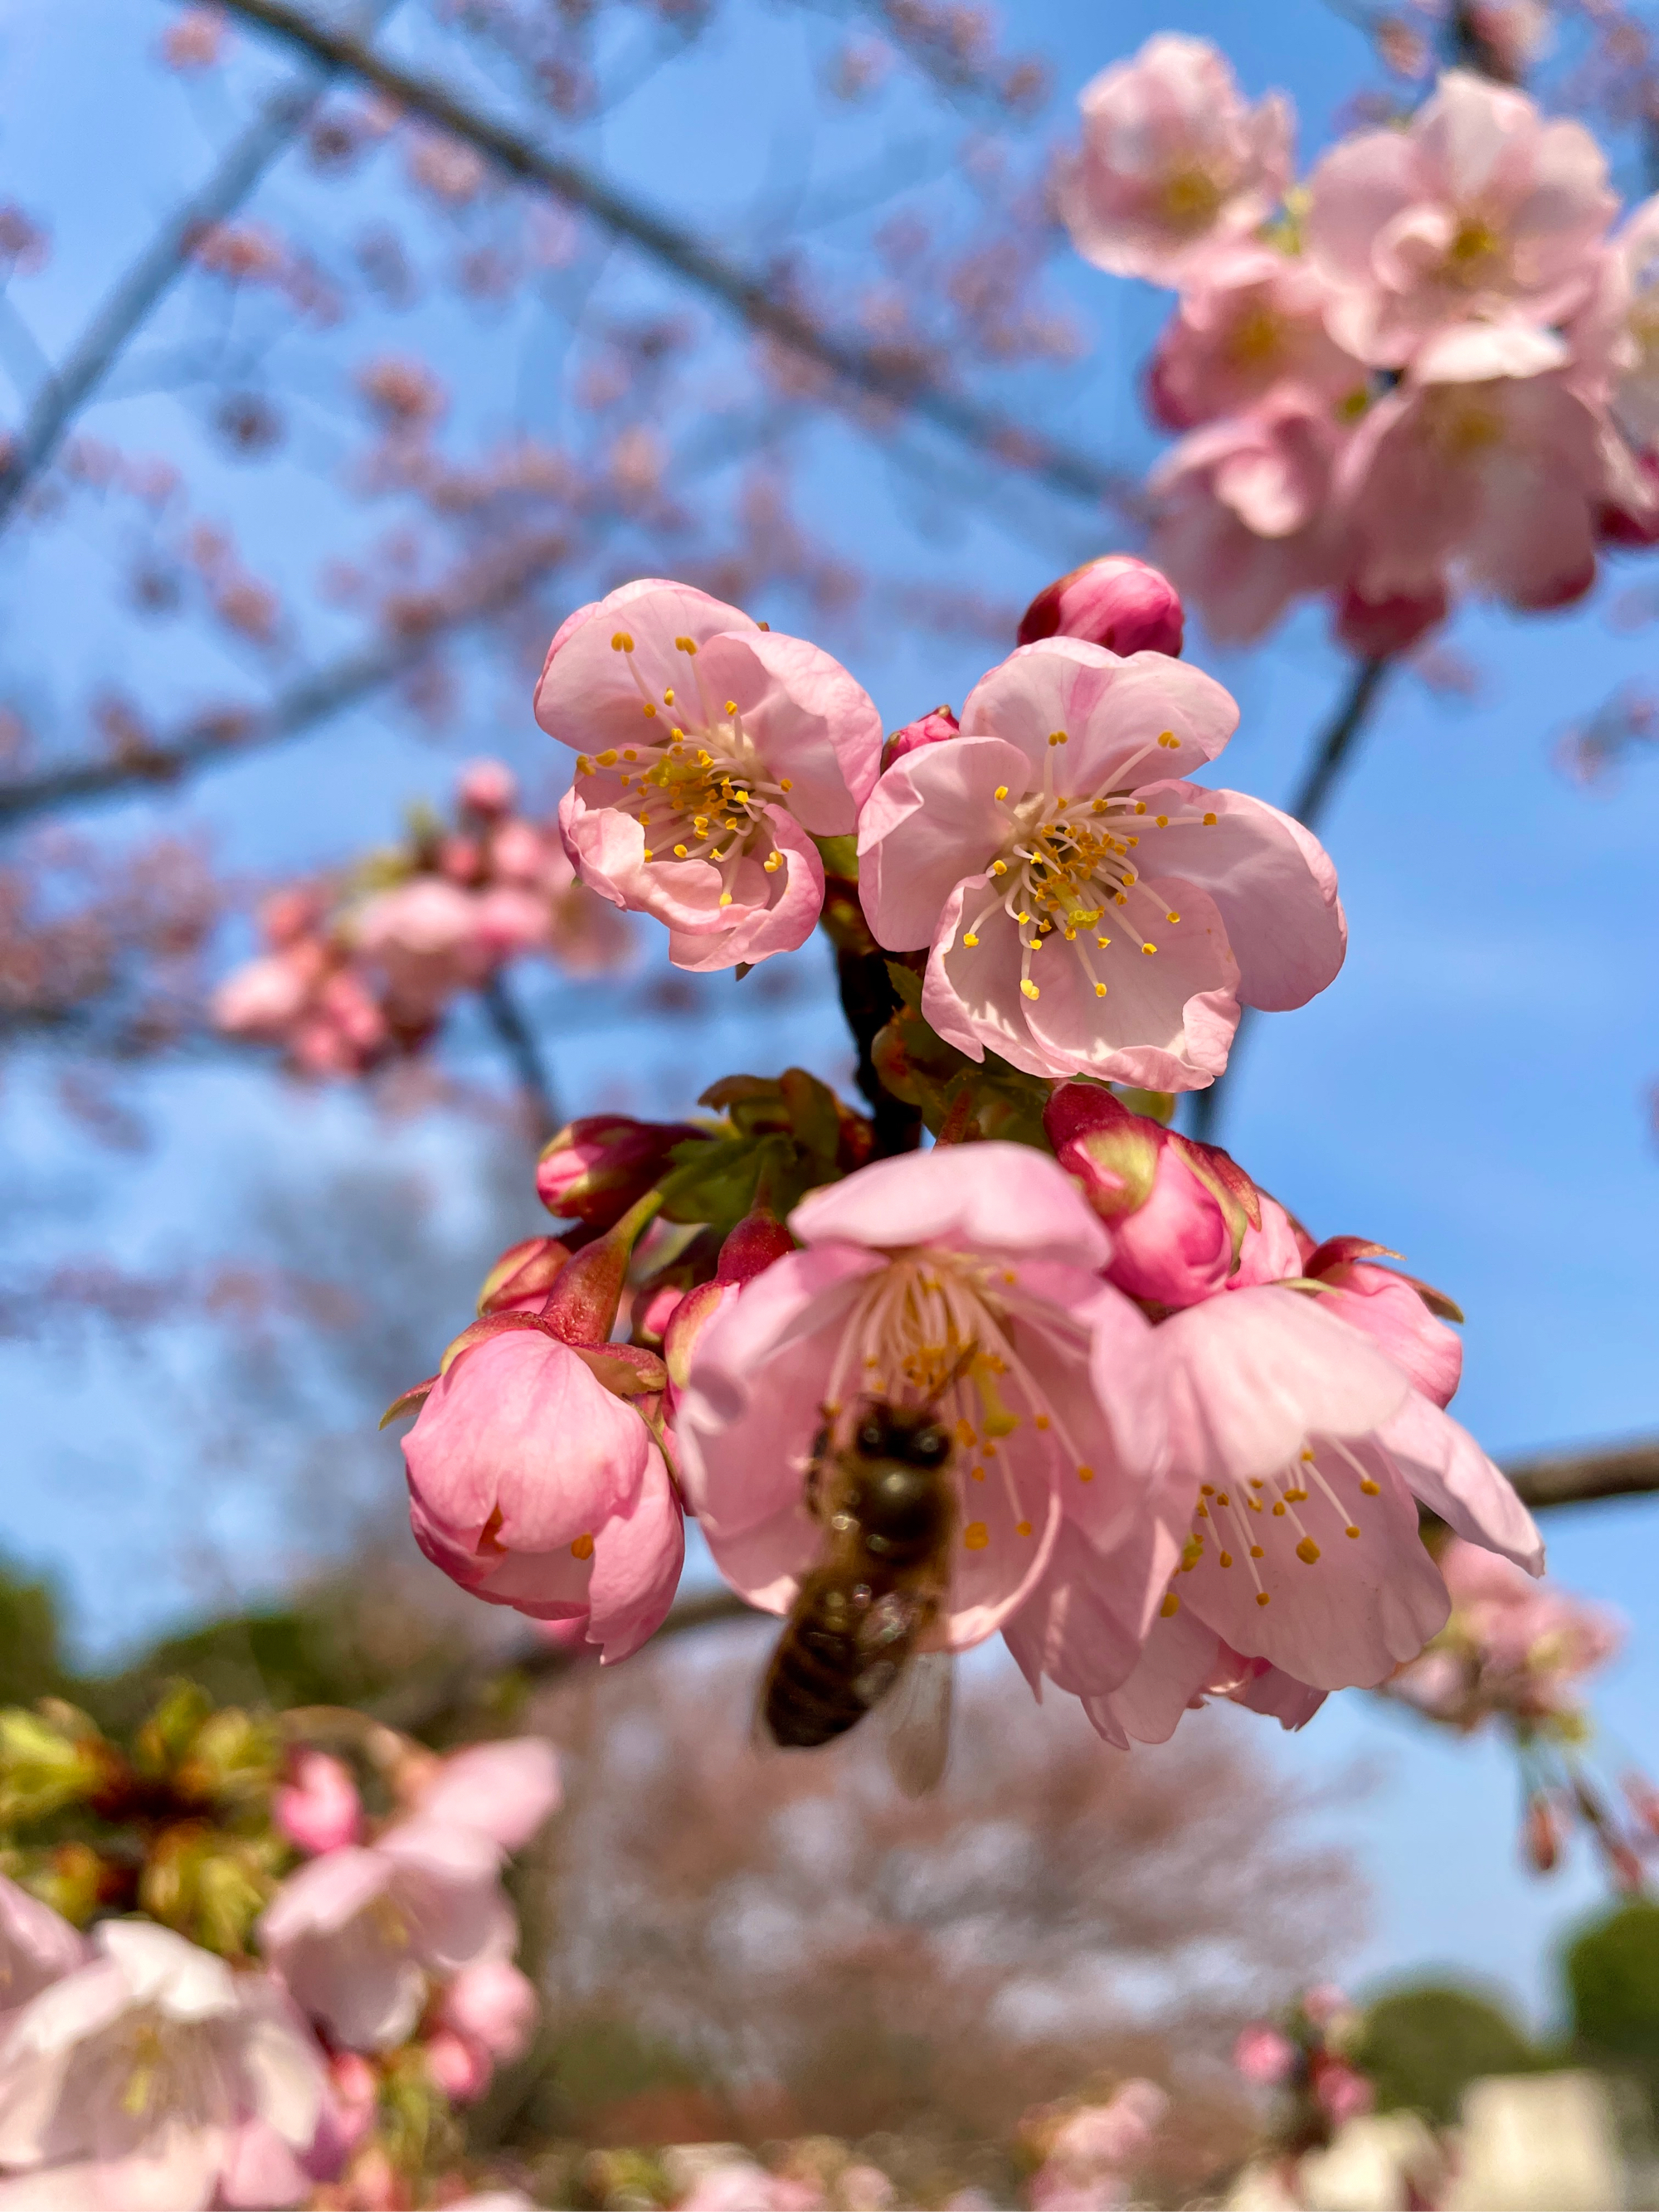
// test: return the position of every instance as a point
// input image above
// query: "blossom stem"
(507, 1019)
(1312, 795)
(869, 1002)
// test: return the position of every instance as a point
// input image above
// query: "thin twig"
(903, 383)
(1551, 1479)
(507, 1019)
(1311, 796)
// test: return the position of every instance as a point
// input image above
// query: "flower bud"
(488, 787)
(1540, 1835)
(927, 730)
(595, 1169)
(521, 1279)
(317, 1808)
(1373, 629)
(1123, 603)
(1264, 2055)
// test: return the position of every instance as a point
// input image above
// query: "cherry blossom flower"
(1089, 911)
(485, 2016)
(1264, 2055)
(37, 1946)
(964, 1277)
(153, 2074)
(504, 1790)
(1243, 512)
(1251, 317)
(596, 1167)
(354, 1934)
(1298, 1456)
(934, 729)
(1500, 476)
(1171, 159)
(1408, 1318)
(1479, 211)
(1116, 601)
(1082, 2170)
(731, 747)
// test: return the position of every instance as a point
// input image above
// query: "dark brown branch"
(505, 1016)
(1551, 1479)
(1308, 803)
(900, 383)
(227, 733)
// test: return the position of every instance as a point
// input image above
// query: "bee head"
(909, 1433)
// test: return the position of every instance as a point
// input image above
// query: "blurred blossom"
(318, 1807)
(195, 39)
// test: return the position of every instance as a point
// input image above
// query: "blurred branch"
(1307, 805)
(157, 268)
(1579, 1477)
(903, 383)
(228, 733)
(505, 1017)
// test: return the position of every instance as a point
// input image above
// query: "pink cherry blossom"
(1251, 317)
(1171, 159)
(37, 1946)
(154, 2075)
(494, 2005)
(1116, 601)
(1500, 477)
(1089, 911)
(596, 1167)
(534, 1487)
(317, 1808)
(1082, 2171)
(504, 1790)
(424, 936)
(1243, 517)
(731, 746)
(966, 1277)
(355, 1934)
(1479, 211)
(934, 729)
(1394, 1310)
(1298, 1456)
(1263, 2056)
(1513, 1648)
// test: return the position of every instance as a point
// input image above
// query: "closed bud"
(597, 1167)
(1540, 1835)
(933, 729)
(232, 1760)
(1123, 603)
(521, 1279)
(48, 1762)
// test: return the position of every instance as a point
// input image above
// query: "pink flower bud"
(1175, 1239)
(460, 2069)
(1540, 1835)
(1373, 629)
(1116, 601)
(493, 2004)
(596, 1167)
(317, 1808)
(488, 787)
(521, 1279)
(1343, 2093)
(927, 730)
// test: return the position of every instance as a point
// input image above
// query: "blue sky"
(1472, 1089)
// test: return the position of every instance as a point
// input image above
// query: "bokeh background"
(212, 1277)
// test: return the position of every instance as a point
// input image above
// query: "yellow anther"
(964, 1431)
(1226, 1559)
(1207, 1490)
(998, 868)
(1307, 1456)
(976, 1536)
(730, 706)
(679, 851)
(1102, 942)
(1225, 1499)
(668, 697)
(1370, 1488)
(1149, 948)
(1122, 899)
(1351, 1530)
(726, 898)
(1203, 1512)
(978, 1474)
(1171, 1607)
(582, 1549)
(1172, 917)
(784, 783)
(1191, 1552)
(1002, 790)
(1278, 1510)
(1169, 738)
(1209, 821)
(584, 766)
(649, 854)
(1161, 820)
(608, 758)
(1307, 1551)
(684, 645)
(1021, 1528)
(1100, 990)
(971, 939)
(621, 641)
(1031, 990)
(649, 710)
(629, 754)
(1057, 737)
(1086, 1474)
(1262, 1598)
(1141, 807)
(772, 863)
(1257, 1552)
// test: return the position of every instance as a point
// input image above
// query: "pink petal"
(1000, 1198)
(1443, 1466)
(1273, 881)
(767, 914)
(587, 698)
(1113, 711)
(1180, 1658)
(1084, 1622)
(808, 719)
(505, 1790)
(932, 820)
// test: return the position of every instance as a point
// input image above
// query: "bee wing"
(918, 1718)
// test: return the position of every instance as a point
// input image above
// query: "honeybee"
(888, 1508)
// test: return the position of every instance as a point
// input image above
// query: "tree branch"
(900, 382)
(225, 733)
(1308, 803)
(1551, 1479)
(505, 1017)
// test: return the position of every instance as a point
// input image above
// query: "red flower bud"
(594, 1170)
(927, 730)
(1123, 603)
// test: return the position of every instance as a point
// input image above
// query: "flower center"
(933, 1328)
(1189, 197)
(1476, 254)
(1234, 1518)
(1068, 865)
(694, 782)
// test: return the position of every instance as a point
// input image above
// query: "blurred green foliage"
(1424, 2045)
(1612, 1975)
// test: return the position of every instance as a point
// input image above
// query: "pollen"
(726, 898)
(1226, 1559)
(1100, 990)
(649, 854)
(1169, 738)
(1021, 1528)
(1149, 948)
(684, 645)
(1171, 1607)
(975, 1535)
(1307, 1551)
(1351, 1530)
(1369, 1488)
(1278, 1510)
(730, 706)
(1057, 737)
(1172, 917)
(1209, 821)
(1257, 1552)
(1002, 790)
(629, 754)
(970, 940)
(1031, 990)
(1038, 1420)
(1141, 807)
(584, 766)
(1161, 820)
(668, 697)
(583, 1548)
(650, 710)
(785, 783)
(621, 642)
(1262, 1598)
(1086, 1474)
(608, 758)
(998, 868)
(680, 852)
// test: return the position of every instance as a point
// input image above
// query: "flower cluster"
(1190, 1442)
(1514, 1656)
(188, 2018)
(1309, 2059)
(1429, 365)
(355, 975)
